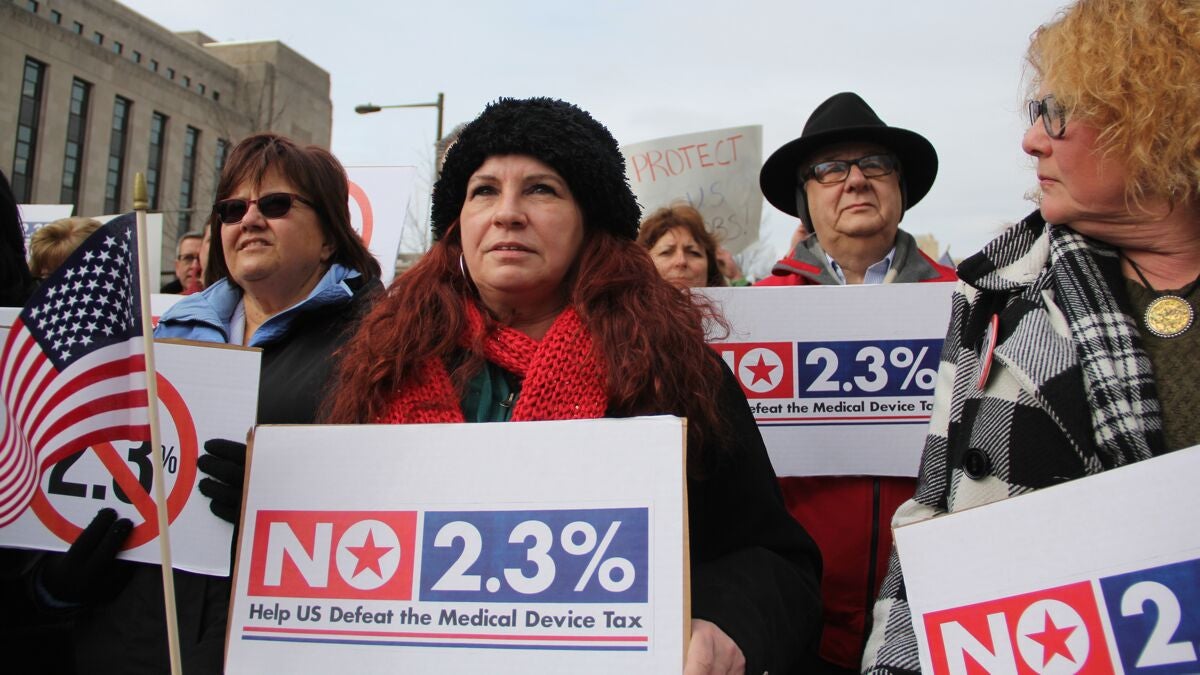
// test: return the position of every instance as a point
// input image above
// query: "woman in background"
(683, 251)
(290, 277)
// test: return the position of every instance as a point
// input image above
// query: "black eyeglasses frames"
(837, 170)
(1053, 114)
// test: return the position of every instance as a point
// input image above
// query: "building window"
(76, 137)
(190, 140)
(158, 134)
(56, 17)
(170, 73)
(216, 95)
(31, 5)
(137, 56)
(117, 47)
(98, 37)
(28, 120)
(77, 28)
(219, 161)
(202, 88)
(116, 155)
(154, 65)
(187, 82)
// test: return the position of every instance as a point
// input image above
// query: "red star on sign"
(1053, 640)
(368, 555)
(762, 371)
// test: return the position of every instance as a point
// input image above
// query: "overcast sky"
(951, 70)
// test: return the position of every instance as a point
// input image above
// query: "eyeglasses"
(190, 258)
(837, 170)
(274, 205)
(1053, 114)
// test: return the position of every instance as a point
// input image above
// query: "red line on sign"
(449, 636)
(141, 499)
(846, 419)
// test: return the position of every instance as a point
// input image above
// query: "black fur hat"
(558, 133)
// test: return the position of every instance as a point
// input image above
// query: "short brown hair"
(668, 218)
(319, 177)
(1130, 70)
(52, 244)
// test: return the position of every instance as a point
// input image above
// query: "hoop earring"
(462, 269)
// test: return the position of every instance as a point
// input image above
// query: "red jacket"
(849, 517)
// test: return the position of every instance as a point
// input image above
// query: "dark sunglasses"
(274, 205)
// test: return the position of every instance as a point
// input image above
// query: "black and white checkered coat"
(1069, 393)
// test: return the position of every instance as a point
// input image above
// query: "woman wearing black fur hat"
(537, 303)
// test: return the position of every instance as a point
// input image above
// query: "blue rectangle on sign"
(573, 555)
(1155, 615)
(865, 368)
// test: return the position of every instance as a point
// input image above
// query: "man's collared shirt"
(875, 274)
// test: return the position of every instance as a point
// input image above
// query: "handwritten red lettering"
(654, 164)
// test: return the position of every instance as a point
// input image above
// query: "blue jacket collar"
(212, 309)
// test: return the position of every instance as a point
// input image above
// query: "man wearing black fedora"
(850, 178)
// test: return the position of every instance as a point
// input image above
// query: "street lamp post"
(368, 108)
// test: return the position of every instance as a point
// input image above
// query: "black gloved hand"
(225, 462)
(89, 570)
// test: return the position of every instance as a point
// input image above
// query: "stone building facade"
(92, 92)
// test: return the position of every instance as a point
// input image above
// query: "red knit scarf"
(562, 377)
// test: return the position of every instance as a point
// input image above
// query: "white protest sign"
(839, 378)
(378, 209)
(205, 392)
(160, 303)
(522, 547)
(714, 171)
(1098, 575)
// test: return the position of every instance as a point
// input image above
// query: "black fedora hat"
(841, 118)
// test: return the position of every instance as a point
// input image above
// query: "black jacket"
(755, 571)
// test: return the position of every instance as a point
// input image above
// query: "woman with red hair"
(536, 303)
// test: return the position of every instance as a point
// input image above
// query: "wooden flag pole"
(140, 203)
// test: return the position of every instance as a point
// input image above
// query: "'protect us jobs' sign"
(1098, 575)
(204, 392)
(839, 378)
(714, 171)
(532, 547)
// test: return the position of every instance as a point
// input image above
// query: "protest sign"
(205, 391)
(1097, 575)
(714, 171)
(839, 378)
(554, 547)
(379, 209)
(160, 303)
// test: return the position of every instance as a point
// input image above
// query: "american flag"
(71, 369)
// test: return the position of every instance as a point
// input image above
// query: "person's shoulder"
(210, 309)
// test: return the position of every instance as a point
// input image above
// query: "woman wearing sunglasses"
(285, 273)
(1072, 344)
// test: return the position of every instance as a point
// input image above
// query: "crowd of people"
(546, 296)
